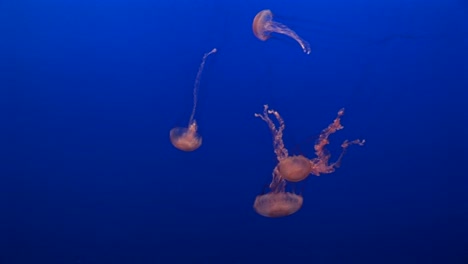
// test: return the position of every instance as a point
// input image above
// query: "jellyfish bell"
(263, 25)
(259, 25)
(185, 139)
(294, 168)
(278, 204)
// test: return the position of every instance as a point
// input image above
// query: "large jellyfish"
(263, 25)
(278, 202)
(187, 138)
(297, 168)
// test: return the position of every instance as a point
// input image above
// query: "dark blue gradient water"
(90, 89)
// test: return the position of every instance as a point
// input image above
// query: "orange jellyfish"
(187, 138)
(297, 168)
(263, 25)
(278, 202)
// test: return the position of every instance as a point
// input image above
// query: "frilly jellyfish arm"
(197, 84)
(278, 184)
(282, 29)
(320, 164)
(192, 128)
(278, 145)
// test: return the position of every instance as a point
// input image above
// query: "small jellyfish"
(263, 25)
(297, 168)
(278, 202)
(187, 138)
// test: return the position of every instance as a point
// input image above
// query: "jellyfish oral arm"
(197, 84)
(320, 163)
(278, 144)
(344, 147)
(278, 184)
(192, 128)
(214, 50)
(282, 29)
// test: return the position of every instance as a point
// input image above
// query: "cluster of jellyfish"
(277, 202)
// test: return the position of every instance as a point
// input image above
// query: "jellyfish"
(187, 138)
(263, 25)
(278, 202)
(296, 168)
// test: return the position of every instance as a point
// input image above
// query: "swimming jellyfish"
(263, 25)
(187, 138)
(297, 168)
(278, 202)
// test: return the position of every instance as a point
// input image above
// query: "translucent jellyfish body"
(186, 139)
(277, 202)
(294, 168)
(263, 25)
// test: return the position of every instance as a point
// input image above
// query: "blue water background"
(90, 89)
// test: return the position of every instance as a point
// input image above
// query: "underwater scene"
(233, 132)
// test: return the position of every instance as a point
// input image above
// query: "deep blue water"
(90, 89)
